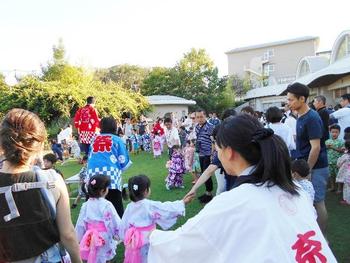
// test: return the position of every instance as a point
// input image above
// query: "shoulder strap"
(48, 177)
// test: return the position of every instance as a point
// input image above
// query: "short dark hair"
(168, 120)
(347, 146)
(50, 157)
(98, 183)
(299, 90)
(321, 98)
(108, 125)
(301, 167)
(248, 110)
(274, 114)
(346, 96)
(228, 113)
(90, 100)
(334, 127)
(202, 110)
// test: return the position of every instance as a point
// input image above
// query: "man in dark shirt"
(311, 146)
(320, 106)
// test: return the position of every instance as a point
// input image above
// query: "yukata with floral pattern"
(333, 155)
(140, 219)
(176, 171)
(97, 230)
(146, 142)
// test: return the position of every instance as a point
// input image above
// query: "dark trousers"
(170, 152)
(204, 162)
(84, 147)
(115, 197)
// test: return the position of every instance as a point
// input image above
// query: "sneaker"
(206, 199)
(73, 206)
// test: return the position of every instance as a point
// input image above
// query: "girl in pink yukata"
(98, 223)
(157, 145)
(142, 215)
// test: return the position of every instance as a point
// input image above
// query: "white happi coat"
(247, 224)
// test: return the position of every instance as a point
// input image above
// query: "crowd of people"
(272, 171)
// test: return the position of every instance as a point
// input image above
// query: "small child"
(344, 173)
(57, 149)
(300, 173)
(146, 142)
(334, 151)
(157, 145)
(176, 170)
(123, 136)
(142, 215)
(98, 223)
(135, 139)
(82, 183)
(189, 158)
(196, 167)
(49, 163)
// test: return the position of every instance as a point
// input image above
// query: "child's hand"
(188, 198)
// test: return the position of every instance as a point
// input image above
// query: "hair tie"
(135, 187)
(261, 134)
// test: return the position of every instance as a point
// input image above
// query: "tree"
(128, 76)
(193, 77)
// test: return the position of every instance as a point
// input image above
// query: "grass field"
(339, 216)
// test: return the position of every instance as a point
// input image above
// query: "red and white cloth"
(87, 122)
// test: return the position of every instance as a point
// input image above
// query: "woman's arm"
(202, 179)
(64, 223)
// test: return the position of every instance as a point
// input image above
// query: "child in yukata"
(176, 168)
(98, 224)
(135, 139)
(335, 150)
(142, 215)
(300, 173)
(157, 145)
(343, 176)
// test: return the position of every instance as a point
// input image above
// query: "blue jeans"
(319, 179)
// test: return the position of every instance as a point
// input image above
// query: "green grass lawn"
(339, 216)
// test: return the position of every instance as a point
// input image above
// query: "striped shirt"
(204, 142)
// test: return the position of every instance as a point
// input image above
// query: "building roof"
(327, 75)
(167, 99)
(271, 44)
(272, 90)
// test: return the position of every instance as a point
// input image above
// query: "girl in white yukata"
(142, 215)
(98, 223)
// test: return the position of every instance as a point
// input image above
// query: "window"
(268, 54)
(344, 48)
(268, 68)
(338, 92)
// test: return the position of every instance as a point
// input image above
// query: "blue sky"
(156, 32)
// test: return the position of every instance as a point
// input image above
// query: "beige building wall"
(333, 91)
(286, 58)
(161, 110)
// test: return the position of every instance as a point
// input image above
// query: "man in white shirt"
(171, 135)
(343, 114)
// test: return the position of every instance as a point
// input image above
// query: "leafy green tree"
(194, 77)
(128, 76)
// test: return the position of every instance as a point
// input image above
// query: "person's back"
(283, 130)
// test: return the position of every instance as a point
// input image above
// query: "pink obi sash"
(92, 241)
(133, 241)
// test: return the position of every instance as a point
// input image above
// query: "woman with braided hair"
(34, 206)
(266, 217)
